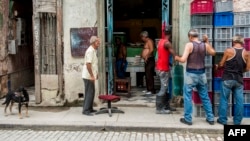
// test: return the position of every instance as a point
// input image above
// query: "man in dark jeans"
(121, 55)
(89, 75)
(148, 56)
(236, 61)
(164, 50)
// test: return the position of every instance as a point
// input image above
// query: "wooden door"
(47, 34)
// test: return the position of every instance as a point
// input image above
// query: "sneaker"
(210, 122)
(182, 120)
(162, 112)
(149, 93)
(145, 91)
(218, 121)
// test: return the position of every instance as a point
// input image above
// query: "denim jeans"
(164, 79)
(228, 87)
(121, 67)
(198, 81)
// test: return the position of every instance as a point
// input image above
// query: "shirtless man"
(121, 62)
(148, 56)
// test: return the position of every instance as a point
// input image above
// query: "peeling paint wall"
(76, 14)
(241, 5)
(3, 50)
(18, 66)
(185, 23)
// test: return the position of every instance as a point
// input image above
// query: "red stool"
(109, 109)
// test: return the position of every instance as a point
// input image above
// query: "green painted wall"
(131, 51)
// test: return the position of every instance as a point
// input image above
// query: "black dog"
(21, 97)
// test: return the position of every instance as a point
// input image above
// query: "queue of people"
(235, 61)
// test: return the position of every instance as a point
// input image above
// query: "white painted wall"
(76, 14)
(184, 26)
(185, 23)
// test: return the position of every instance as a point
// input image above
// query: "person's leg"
(89, 94)
(161, 96)
(125, 65)
(86, 96)
(169, 92)
(203, 93)
(189, 84)
(163, 76)
(239, 107)
(119, 70)
(150, 74)
(146, 75)
(225, 92)
(92, 96)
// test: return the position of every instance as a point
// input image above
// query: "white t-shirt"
(90, 57)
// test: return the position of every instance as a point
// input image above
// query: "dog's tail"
(3, 97)
(7, 98)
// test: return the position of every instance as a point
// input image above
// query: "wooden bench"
(122, 87)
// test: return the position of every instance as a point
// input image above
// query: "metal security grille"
(48, 43)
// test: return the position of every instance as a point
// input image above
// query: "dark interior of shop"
(132, 17)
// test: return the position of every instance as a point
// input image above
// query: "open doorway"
(130, 18)
(22, 61)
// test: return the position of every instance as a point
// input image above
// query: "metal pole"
(165, 15)
(110, 39)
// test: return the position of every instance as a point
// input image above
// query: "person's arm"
(247, 58)
(89, 68)
(223, 59)
(185, 55)
(169, 46)
(209, 48)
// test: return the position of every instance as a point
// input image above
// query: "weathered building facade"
(45, 59)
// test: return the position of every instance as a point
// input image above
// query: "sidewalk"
(134, 119)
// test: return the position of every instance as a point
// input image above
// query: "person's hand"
(92, 78)
(205, 38)
(216, 67)
(176, 58)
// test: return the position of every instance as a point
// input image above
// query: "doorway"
(129, 19)
(22, 59)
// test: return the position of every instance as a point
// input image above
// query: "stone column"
(101, 51)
